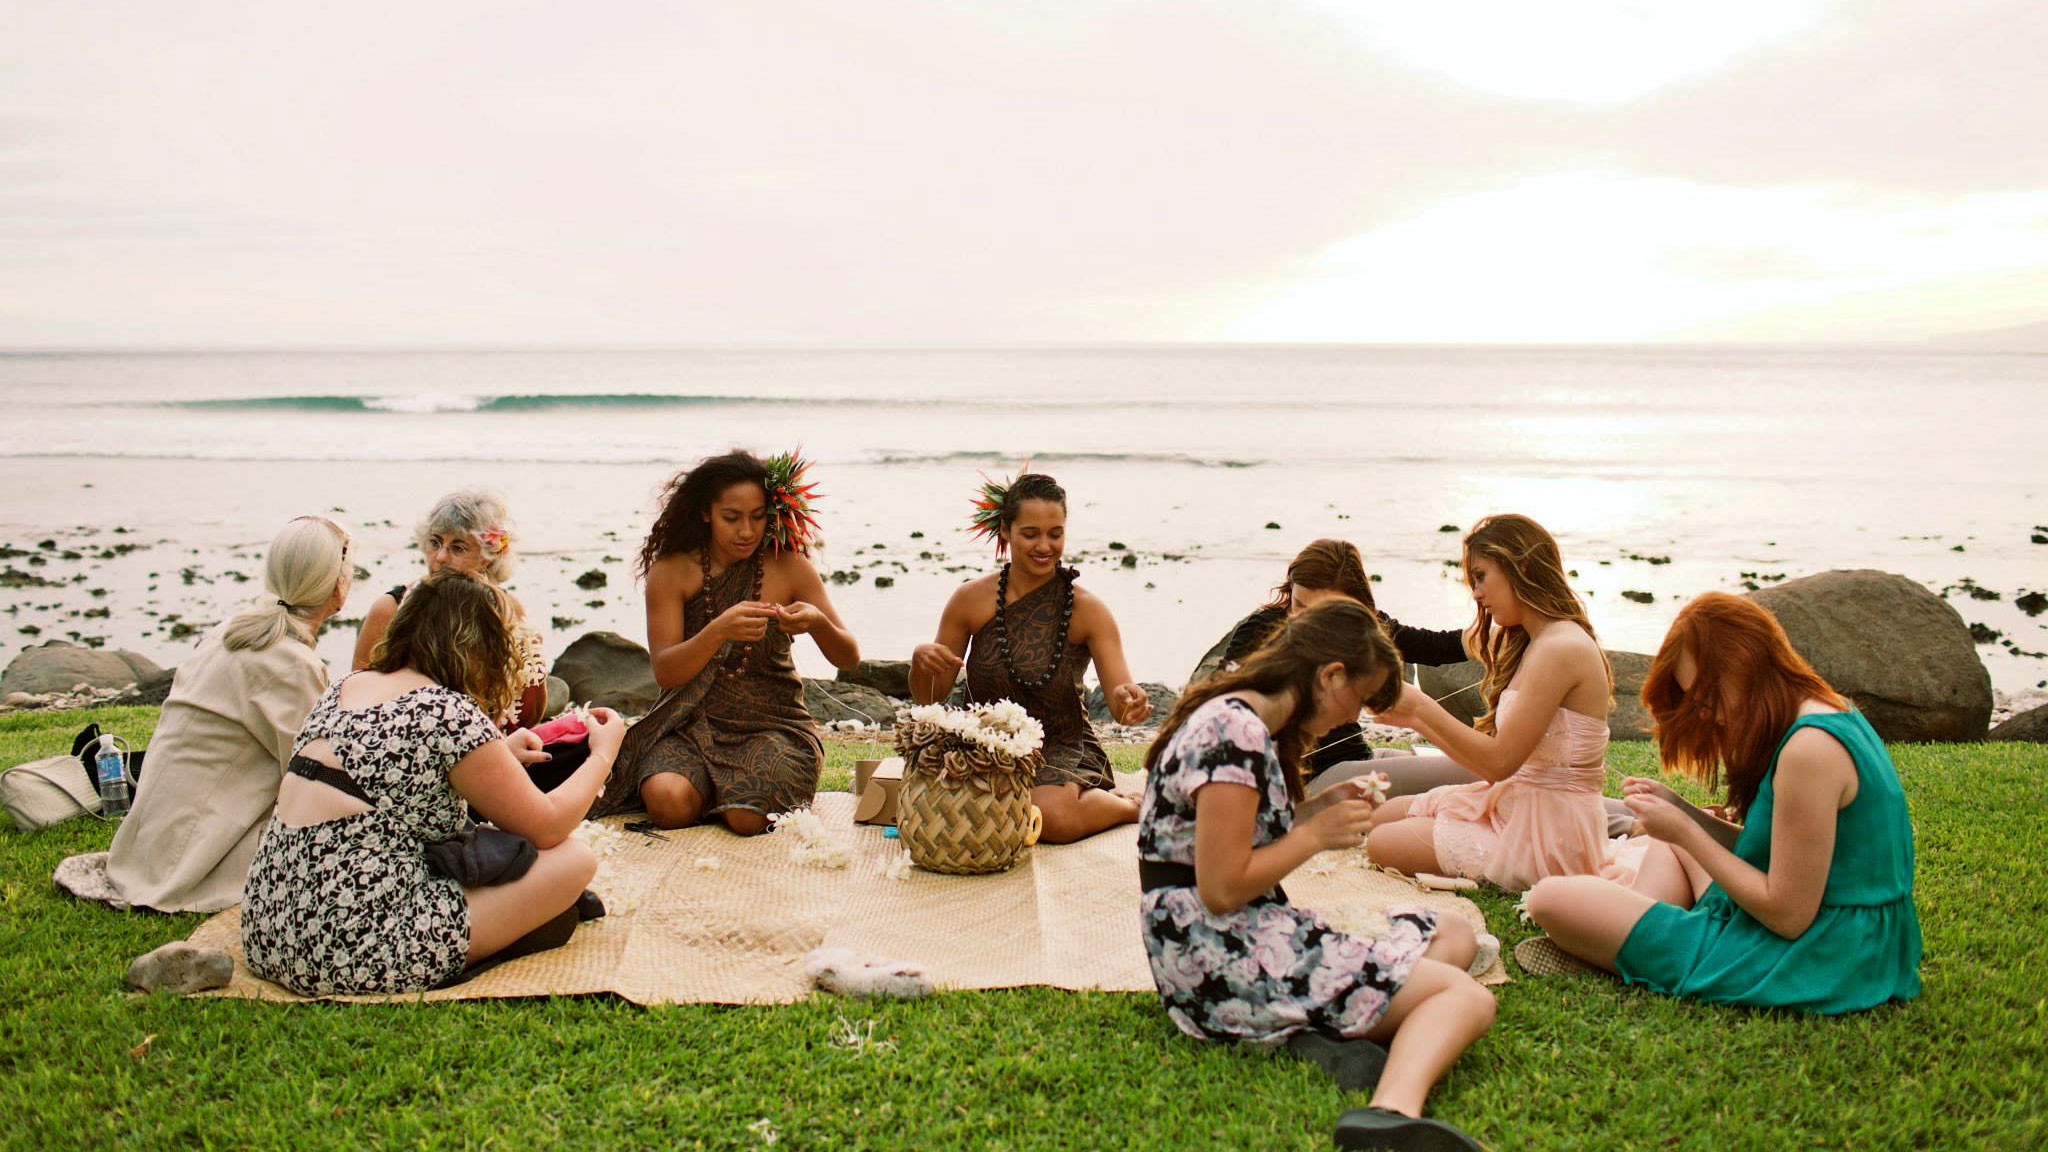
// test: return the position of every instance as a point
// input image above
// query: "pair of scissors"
(645, 828)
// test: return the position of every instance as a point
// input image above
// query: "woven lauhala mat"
(737, 933)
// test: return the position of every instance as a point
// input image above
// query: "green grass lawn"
(1571, 1063)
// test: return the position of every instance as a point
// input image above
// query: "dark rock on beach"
(592, 579)
(1163, 700)
(1901, 653)
(831, 701)
(152, 689)
(56, 666)
(1456, 687)
(608, 669)
(2031, 727)
(889, 677)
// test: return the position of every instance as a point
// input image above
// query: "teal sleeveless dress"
(1863, 947)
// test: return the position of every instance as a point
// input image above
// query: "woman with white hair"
(226, 730)
(468, 531)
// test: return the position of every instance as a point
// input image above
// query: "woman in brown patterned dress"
(729, 587)
(1029, 633)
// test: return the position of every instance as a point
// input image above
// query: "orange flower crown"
(791, 526)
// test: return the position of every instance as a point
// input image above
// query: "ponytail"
(307, 562)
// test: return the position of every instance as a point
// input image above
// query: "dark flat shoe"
(1354, 1064)
(1379, 1128)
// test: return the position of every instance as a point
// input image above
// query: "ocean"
(1663, 472)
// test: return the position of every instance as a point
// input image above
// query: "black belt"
(328, 774)
(1156, 874)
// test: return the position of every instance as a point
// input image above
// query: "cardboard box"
(875, 784)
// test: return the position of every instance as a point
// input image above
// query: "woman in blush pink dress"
(1540, 750)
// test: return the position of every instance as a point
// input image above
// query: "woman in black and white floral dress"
(1232, 959)
(340, 898)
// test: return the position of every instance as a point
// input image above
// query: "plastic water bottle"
(112, 765)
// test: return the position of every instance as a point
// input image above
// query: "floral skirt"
(348, 907)
(1268, 970)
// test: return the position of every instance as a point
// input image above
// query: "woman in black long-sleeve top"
(1334, 568)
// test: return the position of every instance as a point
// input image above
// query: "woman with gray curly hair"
(467, 531)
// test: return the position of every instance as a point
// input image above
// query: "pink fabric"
(1545, 820)
(564, 729)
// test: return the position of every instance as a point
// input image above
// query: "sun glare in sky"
(1601, 255)
(1585, 51)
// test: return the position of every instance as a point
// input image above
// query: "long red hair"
(1748, 689)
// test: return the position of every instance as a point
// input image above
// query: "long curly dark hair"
(1335, 631)
(686, 502)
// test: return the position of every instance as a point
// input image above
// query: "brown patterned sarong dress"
(740, 735)
(1072, 753)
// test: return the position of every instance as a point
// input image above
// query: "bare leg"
(672, 802)
(1392, 811)
(1405, 846)
(1662, 876)
(1073, 813)
(1432, 1019)
(502, 913)
(1587, 916)
(1455, 943)
(744, 821)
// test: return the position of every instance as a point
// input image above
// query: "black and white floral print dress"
(348, 905)
(1267, 970)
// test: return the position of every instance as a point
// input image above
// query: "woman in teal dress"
(1807, 903)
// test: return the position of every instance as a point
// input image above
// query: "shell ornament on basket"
(965, 807)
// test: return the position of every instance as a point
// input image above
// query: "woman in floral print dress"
(340, 898)
(1232, 959)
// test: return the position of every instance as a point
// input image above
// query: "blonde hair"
(308, 560)
(460, 631)
(471, 513)
(1529, 561)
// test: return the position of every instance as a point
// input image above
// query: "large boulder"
(1163, 700)
(152, 689)
(1456, 687)
(1894, 648)
(57, 666)
(1212, 660)
(2030, 726)
(1629, 720)
(831, 701)
(608, 669)
(889, 677)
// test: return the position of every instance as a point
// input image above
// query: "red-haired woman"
(1808, 903)
(1540, 752)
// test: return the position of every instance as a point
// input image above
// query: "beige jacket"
(210, 779)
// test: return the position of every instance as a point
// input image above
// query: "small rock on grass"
(180, 968)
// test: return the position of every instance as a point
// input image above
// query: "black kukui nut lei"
(736, 658)
(1059, 652)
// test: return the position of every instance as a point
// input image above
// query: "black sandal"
(1380, 1128)
(1354, 1064)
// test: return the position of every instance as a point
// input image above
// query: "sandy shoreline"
(145, 555)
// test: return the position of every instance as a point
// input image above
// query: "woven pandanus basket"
(964, 808)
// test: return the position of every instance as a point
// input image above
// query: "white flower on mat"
(601, 839)
(898, 868)
(813, 843)
(706, 863)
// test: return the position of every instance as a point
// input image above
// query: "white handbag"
(48, 791)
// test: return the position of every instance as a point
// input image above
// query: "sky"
(662, 172)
